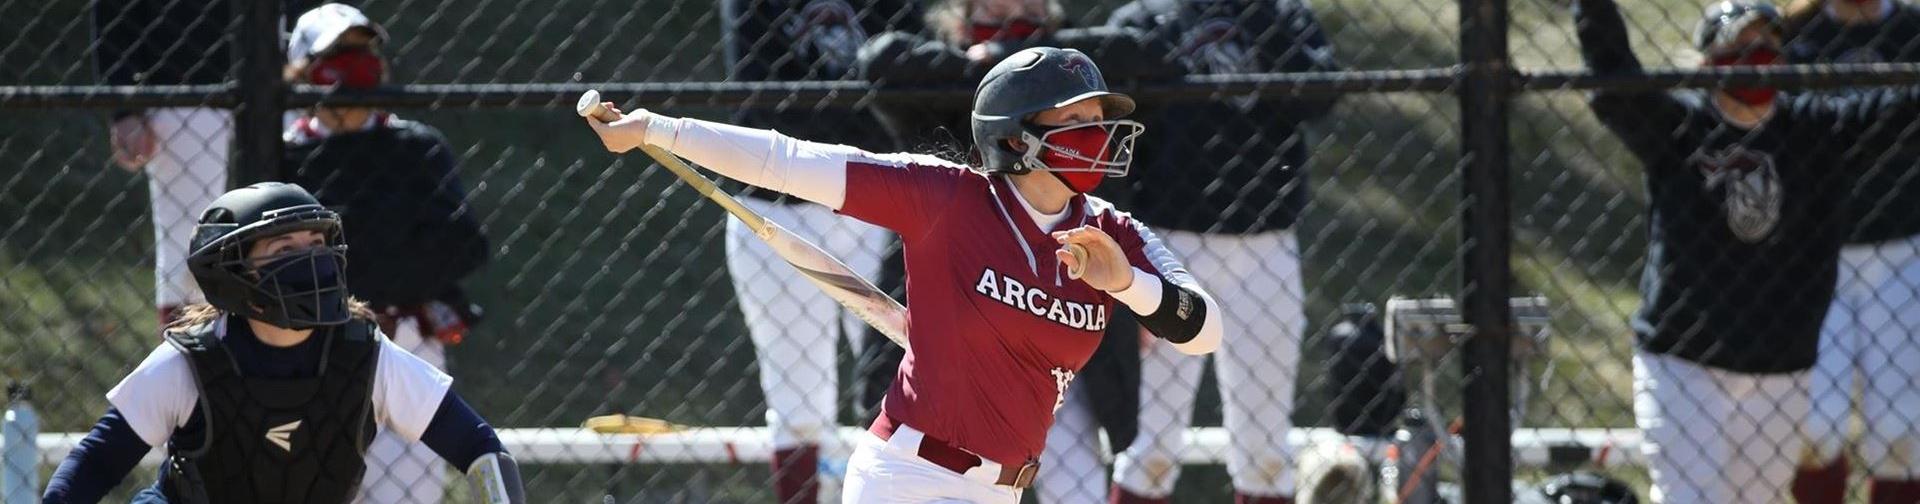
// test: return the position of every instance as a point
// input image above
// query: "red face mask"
(351, 68)
(1751, 56)
(1014, 29)
(1084, 154)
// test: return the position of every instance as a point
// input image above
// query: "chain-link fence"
(1338, 174)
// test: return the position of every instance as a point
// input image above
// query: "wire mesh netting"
(1711, 286)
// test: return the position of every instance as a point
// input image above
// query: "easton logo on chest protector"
(282, 435)
(284, 440)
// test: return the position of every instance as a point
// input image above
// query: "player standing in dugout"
(997, 327)
(1870, 344)
(183, 150)
(1748, 189)
(795, 328)
(396, 185)
(1223, 184)
(271, 391)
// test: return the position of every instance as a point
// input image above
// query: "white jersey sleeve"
(158, 396)
(406, 391)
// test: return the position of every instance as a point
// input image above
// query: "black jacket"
(1745, 227)
(1886, 202)
(809, 40)
(156, 42)
(1234, 165)
(410, 235)
(917, 61)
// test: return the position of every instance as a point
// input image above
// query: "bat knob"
(590, 105)
(1079, 261)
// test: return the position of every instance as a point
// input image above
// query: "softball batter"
(997, 326)
(794, 327)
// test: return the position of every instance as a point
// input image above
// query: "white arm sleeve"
(406, 391)
(157, 396)
(812, 171)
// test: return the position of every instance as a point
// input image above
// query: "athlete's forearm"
(1174, 309)
(97, 463)
(811, 171)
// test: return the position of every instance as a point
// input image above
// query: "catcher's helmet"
(1723, 21)
(295, 290)
(1029, 82)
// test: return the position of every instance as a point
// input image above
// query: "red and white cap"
(318, 29)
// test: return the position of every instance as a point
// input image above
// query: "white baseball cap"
(318, 29)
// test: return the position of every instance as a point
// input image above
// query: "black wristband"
(1180, 315)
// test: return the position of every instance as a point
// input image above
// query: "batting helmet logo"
(1079, 65)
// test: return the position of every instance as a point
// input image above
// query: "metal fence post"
(1485, 240)
(261, 94)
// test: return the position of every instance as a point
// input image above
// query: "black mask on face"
(303, 289)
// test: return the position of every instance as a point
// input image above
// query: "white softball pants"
(1869, 361)
(1718, 437)
(791, 322)
(186, 173)
(890, 471)
(1256, 279)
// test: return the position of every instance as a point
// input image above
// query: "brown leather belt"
(944, 454)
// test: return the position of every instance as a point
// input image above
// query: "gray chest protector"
(277, 441)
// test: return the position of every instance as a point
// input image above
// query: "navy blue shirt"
(1238, 164)
(1745, 226)
(1886, 202)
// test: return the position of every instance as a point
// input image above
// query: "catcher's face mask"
(294, 280)
(1083, 154)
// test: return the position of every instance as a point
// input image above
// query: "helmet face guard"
(1097, 147)
(1081, 155)
(301, 289)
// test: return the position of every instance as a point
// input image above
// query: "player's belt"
(946, 455)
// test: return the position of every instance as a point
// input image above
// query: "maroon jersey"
(996, 327)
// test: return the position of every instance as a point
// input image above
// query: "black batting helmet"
(297, 290)
(1722, 22)
(1026, 83)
